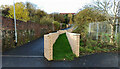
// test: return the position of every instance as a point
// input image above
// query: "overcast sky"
(50, 6)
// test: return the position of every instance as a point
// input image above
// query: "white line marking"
(22, 56)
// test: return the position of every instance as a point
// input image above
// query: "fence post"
(97, 31)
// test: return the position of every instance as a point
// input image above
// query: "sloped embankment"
(62, 49)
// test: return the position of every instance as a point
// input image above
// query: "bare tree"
(110, 9)
(115, 10)
(104, 5)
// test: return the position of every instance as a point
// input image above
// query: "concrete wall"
(50, 39)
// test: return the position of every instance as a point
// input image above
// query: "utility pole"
(15, 24)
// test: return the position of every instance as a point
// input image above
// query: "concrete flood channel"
(31, 55)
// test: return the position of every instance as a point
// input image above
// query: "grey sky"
(49, 6)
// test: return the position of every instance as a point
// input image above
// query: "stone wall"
(26, 31)
(74, 40)
(61, 31)
(50, 39)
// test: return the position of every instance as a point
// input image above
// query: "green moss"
(62, 49)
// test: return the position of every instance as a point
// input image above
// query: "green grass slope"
(62, 49)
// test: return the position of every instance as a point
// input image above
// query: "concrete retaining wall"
(50, 39)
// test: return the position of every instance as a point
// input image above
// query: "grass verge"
(62, 49)
(93, 46)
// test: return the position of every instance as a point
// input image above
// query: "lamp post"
(15, 24)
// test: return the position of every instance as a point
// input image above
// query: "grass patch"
(62, 49)
(93, 46)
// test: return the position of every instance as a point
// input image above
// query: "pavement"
(34, 48)
(96, 60)
(31, 55)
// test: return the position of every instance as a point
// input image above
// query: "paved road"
(31, 55)
(34, 48)
(96, 60)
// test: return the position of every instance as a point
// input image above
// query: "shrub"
(89, 46)
(84, 17)
(63, 25)
(46, 20)
(98, 49)
(57, 25)
(105, 50)
(88, 50)
(70, 56)
(82, 49)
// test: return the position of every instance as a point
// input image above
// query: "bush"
(63, 25)
(105, 50)
(86, 16)
(89, 46)
(82, 49)
(70, 56)
(88, 50)
(57, 25)
(46, 20)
